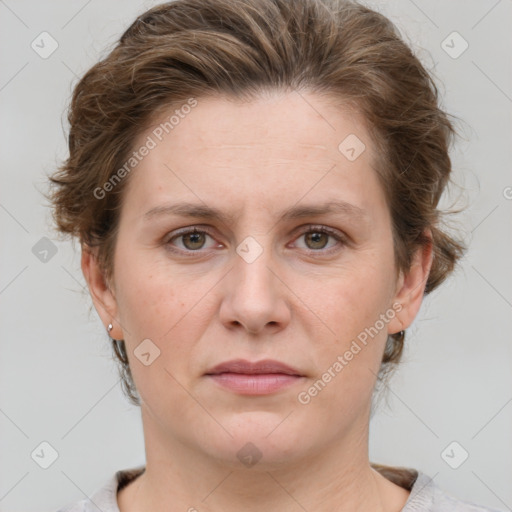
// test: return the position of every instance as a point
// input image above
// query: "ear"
(103, 298)
(411, 286)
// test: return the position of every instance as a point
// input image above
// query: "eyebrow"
(185, 209)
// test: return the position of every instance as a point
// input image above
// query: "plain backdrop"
(59, 384)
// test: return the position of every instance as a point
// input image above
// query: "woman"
(254, 184)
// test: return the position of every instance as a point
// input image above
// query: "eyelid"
(306, 228)
(188, 230)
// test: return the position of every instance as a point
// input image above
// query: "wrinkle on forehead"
(252, 145)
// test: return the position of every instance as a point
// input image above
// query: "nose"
(255, 297)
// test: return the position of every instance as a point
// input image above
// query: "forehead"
(224, 124)
(279, 147)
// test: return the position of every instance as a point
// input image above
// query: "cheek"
(346, 367)
(167, 307)
(150, 298)
(156, 308)
(351, 303)
(145, 303)
(353, 298)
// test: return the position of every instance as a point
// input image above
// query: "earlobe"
(102, 296)
(411, 286)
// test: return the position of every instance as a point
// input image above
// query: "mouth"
(258, 378)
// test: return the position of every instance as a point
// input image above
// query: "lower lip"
(255, 384)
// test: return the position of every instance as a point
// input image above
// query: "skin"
(301, 302)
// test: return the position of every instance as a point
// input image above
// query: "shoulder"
(425, 495)
(428, 497)
(104, 499)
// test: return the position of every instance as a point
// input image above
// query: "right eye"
(192, 240)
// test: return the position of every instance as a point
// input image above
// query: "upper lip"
(247, 367)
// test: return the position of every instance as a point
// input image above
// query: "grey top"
(425, 495)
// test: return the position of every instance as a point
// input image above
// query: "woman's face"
(270, 280)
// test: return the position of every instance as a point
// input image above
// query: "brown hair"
(239, 48)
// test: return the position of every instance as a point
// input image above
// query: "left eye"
(317, 238)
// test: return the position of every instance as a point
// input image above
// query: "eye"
(192, 240)
(317, 239)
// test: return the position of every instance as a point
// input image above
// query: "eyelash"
(310, 229)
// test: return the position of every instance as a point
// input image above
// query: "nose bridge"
(254, 257)
(255, 251)
(253, 294)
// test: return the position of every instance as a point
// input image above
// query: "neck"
(178, 478)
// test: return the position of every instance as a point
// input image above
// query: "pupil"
(195, 238)
(316, 237)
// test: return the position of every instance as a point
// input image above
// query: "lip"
(243, 366)
(254, 378)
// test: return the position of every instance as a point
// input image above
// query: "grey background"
(58, 381)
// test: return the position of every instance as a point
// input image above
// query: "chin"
(261, 441)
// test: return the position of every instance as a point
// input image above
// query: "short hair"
(240, 48)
